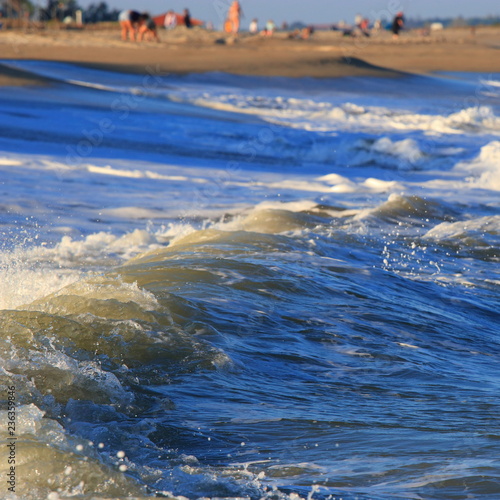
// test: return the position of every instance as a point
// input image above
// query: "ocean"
(223, 287)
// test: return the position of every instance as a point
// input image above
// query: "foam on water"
(485, 168)
(475, 237)
(335, 118)
(24, 279)
(163, 275)
(57, 465)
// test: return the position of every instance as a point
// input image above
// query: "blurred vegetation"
(57, 10)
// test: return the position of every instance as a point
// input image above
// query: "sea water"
(218, 286)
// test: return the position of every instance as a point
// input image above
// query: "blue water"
(220, 286)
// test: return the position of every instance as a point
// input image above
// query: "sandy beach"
(325, 55)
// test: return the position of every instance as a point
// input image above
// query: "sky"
(312, 11)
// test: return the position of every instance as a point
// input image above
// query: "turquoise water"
(218, 286)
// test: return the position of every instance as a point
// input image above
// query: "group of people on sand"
(171, 19)
(233, 22)
(137, 26)
(362, 26)
(140, 26)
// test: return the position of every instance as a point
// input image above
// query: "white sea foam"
(21, 286)
(406, 149)
(325, 116)
(23, 278)
(9, 162)
(292, 206)
(401, 155)
(101, 247)
(83, 375)
(491, 83)
(331, 183)
(132, 213)
(32, 273)
(490, 88)
(133, 174)
(471, 231)
(324, 112)
(470, 119)
(485, 168)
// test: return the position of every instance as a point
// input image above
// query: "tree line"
(58, 10)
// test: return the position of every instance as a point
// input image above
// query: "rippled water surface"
(219, 286)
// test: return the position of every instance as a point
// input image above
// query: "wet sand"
(325, 55)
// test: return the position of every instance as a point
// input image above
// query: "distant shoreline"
(325, 55)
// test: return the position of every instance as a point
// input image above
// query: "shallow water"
(222, 286)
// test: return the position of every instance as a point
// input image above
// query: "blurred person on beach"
(364, 27)
(147, 28)
(187, 19)
(129, 21)
(170, 21)
(301, 34)
(234, 15)
(397, 25)
(269, 29)
(254, 27)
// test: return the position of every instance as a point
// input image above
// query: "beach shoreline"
(325, 55)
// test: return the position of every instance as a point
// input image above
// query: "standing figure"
(397, 24)
(234, 15)
(365, 27)
(170, 21)
(129, 20)
(187, 19)
(270, 27)
(254, 26)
